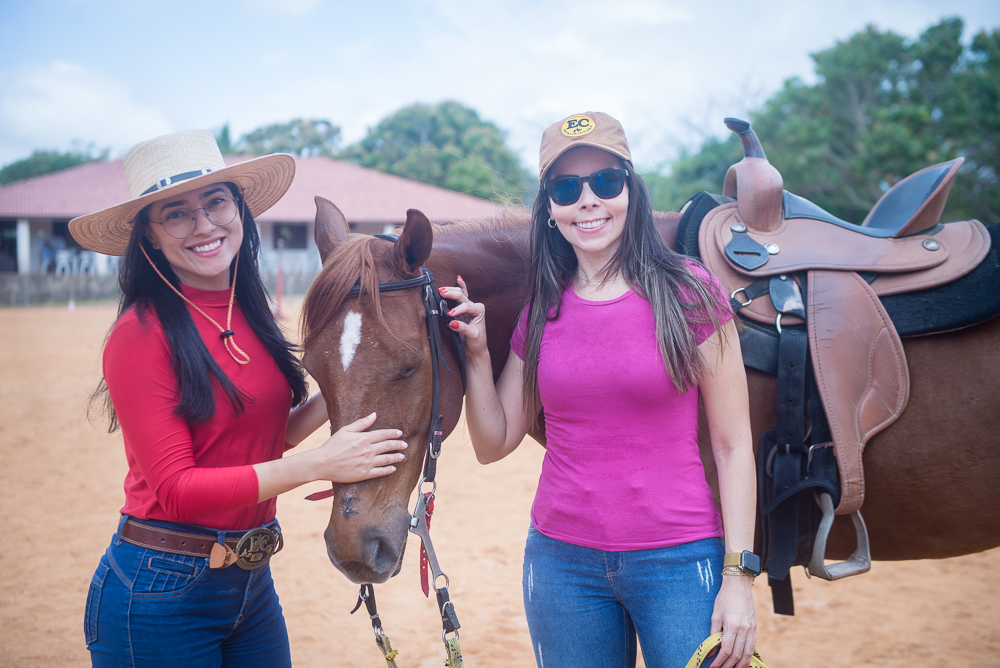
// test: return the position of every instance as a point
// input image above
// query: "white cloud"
(50, 106)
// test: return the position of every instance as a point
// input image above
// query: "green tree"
(302, 137)
(44, 162)
(447, 145)
(883, 107)
(224, 140)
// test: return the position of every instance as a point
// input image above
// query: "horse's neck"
(494, 264)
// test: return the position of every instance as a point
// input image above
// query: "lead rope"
(226, 334)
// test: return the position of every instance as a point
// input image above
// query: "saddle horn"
(754, 182)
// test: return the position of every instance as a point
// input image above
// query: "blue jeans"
(585, 606)
(152, 608)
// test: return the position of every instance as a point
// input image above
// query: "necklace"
(226, 334)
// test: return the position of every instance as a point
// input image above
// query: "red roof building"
(34, 212)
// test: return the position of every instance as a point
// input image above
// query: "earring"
(552, 223)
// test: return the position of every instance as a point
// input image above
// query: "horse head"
(369, 351)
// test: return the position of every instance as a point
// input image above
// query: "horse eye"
(406, 373)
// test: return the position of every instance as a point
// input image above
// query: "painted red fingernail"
(442, 289)
(453, 325)
(460, 277)
(451, 312)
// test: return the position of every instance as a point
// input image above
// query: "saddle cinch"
(828, 275)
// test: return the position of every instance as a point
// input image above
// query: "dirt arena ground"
(62, 478)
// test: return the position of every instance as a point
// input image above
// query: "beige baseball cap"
(592, 128)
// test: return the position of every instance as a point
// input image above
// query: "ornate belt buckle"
(256, 547)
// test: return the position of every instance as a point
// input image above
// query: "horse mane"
(353, 263)
(500, 221)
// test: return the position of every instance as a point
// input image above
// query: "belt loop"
(121, 523)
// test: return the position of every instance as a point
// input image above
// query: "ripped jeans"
(586, 606)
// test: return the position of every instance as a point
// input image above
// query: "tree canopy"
(882, 108)
(44, 162)
(447, 145)
(303, 137)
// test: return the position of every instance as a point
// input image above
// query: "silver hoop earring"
(552, 223)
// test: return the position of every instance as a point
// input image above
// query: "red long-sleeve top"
(199, 474)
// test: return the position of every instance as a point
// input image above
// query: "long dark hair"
(142, 289)
(649, 267)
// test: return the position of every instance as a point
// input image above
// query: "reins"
(434, 310)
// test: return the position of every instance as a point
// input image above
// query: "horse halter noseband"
(435, 309)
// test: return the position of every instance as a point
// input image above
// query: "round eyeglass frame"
(190, 222)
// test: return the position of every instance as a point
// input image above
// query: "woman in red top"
(208, 396)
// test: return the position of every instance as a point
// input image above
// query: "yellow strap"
(454, 650)
(713, 641)
(382, 641)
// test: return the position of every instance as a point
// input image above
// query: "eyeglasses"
(180, 223)
(606, 184)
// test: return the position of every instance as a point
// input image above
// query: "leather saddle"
(769, 241)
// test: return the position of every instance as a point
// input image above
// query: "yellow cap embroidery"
(579, 125)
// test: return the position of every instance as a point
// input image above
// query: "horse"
(931, 487)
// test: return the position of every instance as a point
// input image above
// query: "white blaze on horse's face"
(350, 339)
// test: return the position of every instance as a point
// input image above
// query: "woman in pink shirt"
(619, 339)
(202, 383)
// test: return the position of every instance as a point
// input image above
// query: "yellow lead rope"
(713, 641)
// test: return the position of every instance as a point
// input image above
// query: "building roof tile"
(364, 195)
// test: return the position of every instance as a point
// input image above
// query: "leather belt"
(251, 550)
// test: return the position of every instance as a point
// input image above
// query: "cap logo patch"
(577, 126)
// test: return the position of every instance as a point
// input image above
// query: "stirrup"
(859, 562)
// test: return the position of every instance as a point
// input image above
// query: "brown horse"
(931, 489)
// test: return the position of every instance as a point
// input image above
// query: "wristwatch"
(746, 561)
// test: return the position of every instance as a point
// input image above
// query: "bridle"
(435, 310)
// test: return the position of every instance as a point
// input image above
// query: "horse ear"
(414, 245)
(331, 227)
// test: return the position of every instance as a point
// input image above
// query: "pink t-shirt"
(621, 468)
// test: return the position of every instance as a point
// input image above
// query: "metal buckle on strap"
(255, 548)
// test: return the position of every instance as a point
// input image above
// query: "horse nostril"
(382, 555)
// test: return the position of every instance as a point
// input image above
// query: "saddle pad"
(860, 370)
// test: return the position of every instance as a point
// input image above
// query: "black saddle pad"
(964, 302)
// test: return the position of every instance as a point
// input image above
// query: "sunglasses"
(606, 184)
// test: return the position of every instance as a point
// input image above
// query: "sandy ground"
(61, 481)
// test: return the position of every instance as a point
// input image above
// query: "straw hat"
(592, 128)
(180, 161)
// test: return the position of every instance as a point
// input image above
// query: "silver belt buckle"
(255, 548)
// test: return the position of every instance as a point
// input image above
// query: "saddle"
(825, 278)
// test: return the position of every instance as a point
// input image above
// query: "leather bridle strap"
(366, 595)
(434, 310)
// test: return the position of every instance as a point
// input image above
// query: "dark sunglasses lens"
(607, 184)
(565, 190)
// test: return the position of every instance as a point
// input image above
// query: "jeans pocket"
(162, 573)
(92, 611)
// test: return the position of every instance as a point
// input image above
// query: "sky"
(115, 72)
